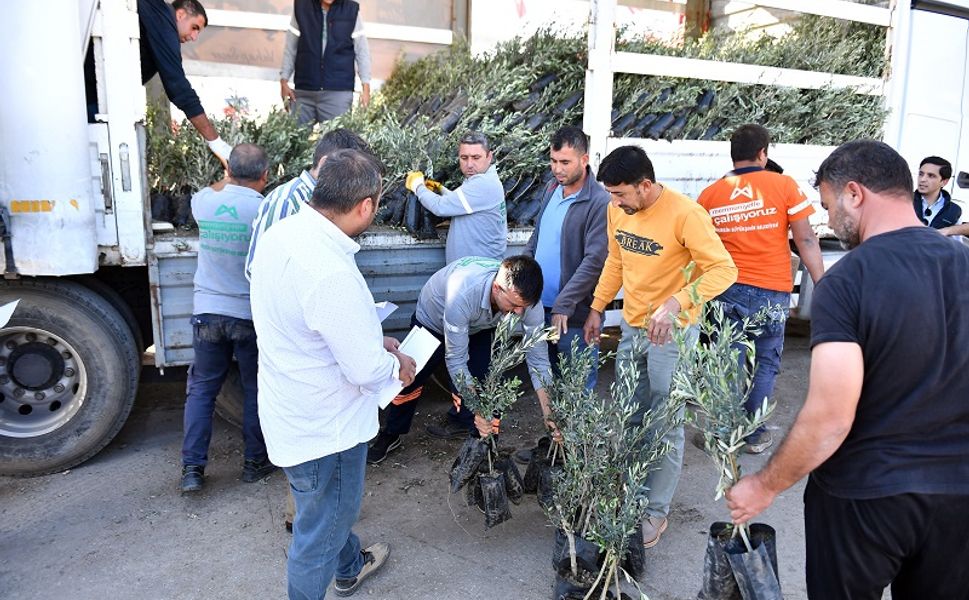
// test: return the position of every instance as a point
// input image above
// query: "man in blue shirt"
(569, 241)
(570, 244)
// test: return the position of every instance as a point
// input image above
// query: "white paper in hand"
(420, 345)
(384, 309)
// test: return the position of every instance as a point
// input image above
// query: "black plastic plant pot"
(634, 562)
(568, 589)
(465, 466)
(495, 496)
(730, 572)
(588, 557)
(546, 489)
(513, 479)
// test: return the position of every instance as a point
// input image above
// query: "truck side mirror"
(962, 179)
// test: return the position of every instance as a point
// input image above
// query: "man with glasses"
(461, 305)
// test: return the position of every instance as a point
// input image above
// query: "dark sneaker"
(192, 478)
(758, 442)
(374, 557)
(653, 528)
(254, 470)
(382, 446)
(447, 429)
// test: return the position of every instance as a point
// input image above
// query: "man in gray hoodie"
(569, 241)
(479, 222)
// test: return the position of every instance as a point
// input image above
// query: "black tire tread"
(111, 321)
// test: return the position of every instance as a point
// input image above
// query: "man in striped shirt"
(293, 195)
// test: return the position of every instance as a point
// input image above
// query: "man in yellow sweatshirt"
(654, 232)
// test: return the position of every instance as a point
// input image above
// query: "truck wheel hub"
(35, 366)
(43, 382)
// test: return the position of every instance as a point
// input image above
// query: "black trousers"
(400, 416)
(916, 543)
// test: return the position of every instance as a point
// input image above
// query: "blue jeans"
(743, 301)
(656, 365)
(215, 338)
(328, 492)
(564, 346)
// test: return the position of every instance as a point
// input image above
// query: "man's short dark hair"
(748, 141)
(248, 162)
(194, 8)
(524, 275)
(571, 136)
(475, 138)
(945, 167)
(340, 139)
(347, 177)
(870, 163)
(626, 165)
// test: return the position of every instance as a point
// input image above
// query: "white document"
(6, 311)
(420, 345)
(384, 309)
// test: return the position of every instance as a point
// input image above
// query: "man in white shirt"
(323, 360)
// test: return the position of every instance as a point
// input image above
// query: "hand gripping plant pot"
(599, 492)
(715, 379)
(479, 462)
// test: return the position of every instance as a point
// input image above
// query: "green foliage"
(496, 393)
(179, 160)
(715, 383)
(600, 493)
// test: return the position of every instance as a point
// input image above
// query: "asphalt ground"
(117, 527)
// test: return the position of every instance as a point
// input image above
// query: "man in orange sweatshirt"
(654, 232)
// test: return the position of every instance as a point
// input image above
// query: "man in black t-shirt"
(884, 431)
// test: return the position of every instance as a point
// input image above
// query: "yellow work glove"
(434, 186)
(414, 179)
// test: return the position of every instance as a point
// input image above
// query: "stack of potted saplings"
(714, 377)
(599, 494)
(488, 474)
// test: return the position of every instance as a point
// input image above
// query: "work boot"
(382, 447)
(653, 528)
(253, 470)
(758, 442)
(192, 478)
(374, 557)
(447, 429)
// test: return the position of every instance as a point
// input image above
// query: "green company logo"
(229, 210)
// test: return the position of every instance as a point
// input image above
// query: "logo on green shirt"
(225, 209)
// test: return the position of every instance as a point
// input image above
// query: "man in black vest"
(324, 40)
(932, 204)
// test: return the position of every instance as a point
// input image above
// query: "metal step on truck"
(102, 294)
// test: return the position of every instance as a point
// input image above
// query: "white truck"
(98, 287)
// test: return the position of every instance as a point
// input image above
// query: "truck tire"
(69, 370)
(228, 404)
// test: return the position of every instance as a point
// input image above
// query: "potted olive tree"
(714, 377)
(599, 493)
(491, 476)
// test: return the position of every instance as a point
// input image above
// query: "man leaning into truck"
(479, 221)
(654, 233)
(221, 316)
(163, 28)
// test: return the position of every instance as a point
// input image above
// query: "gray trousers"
(321, 105)
(656, 365)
